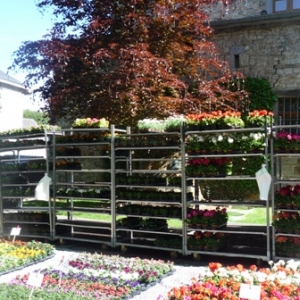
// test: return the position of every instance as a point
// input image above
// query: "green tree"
(261, 94)
(128, 59)
(40, 117)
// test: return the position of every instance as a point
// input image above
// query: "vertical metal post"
(113, 206)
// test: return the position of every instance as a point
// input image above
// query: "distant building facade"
(12, 99)
(261, 38)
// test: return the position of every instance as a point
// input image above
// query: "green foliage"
(18, 292)
(235, 189)
(261, 94)
(40, 117)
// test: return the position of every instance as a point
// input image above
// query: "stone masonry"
(265, 44)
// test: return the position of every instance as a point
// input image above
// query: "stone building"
(261, 38)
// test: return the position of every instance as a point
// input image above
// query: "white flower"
(220, 138)
(214, 140)
(230, 140)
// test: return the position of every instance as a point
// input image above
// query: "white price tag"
(15, 231)
(251, 292)
(35, 279)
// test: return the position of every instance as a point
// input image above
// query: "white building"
(12, 102)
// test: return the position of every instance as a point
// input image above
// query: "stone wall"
(264, 52)
(239, 9)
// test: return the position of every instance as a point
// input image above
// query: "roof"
(27, 123)
(10, 81)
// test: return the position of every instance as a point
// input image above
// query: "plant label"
(15, 231)
(35, 279)
(251, 292)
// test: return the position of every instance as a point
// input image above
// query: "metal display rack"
(257, 243)
(83, 182)
(130, 187)
(278, 182)
(23, 162)
(150, 191)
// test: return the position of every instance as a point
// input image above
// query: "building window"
(286, 5)
(288, 112)
(237, 61)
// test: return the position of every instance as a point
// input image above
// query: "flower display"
(279, 282)
(204, 167)
(286, 221)
(286, 142)
(207, 218)
(98, 276)
(202, 121)
(90, 123)
(214, 120)
(229, 119)
(287, 246)
(206, 241)
(225, 142)
(258, 118)
(288, 197)
(15, 254)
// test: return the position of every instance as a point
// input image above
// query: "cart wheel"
(124, 249)
(196, 256)
(104, 247)
(174, 254)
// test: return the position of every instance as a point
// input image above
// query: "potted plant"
(207, 218)
(258, 118)
(150, 125)
(201, 121)
(195, 241)
(288, 197)
(173, 124)
(90, 123)
(282, 142)
(285, 246)
(229, 120)
(286, 221)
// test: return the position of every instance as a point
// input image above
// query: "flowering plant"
(252, 142)
(229, 119)
(288, 197)
(151, 125)
(90, 123)
(279, 282)
(286, 142)
(259, 118)
(286, 221)
(207, 218)
(96, 276)
(205, 240)
(209, 166)
(20, 254)
(287, 246)
(201, 121)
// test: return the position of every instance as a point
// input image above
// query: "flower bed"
(97, 276)
(18, 254)
(279, 282)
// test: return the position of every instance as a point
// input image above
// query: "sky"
(20, 20)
